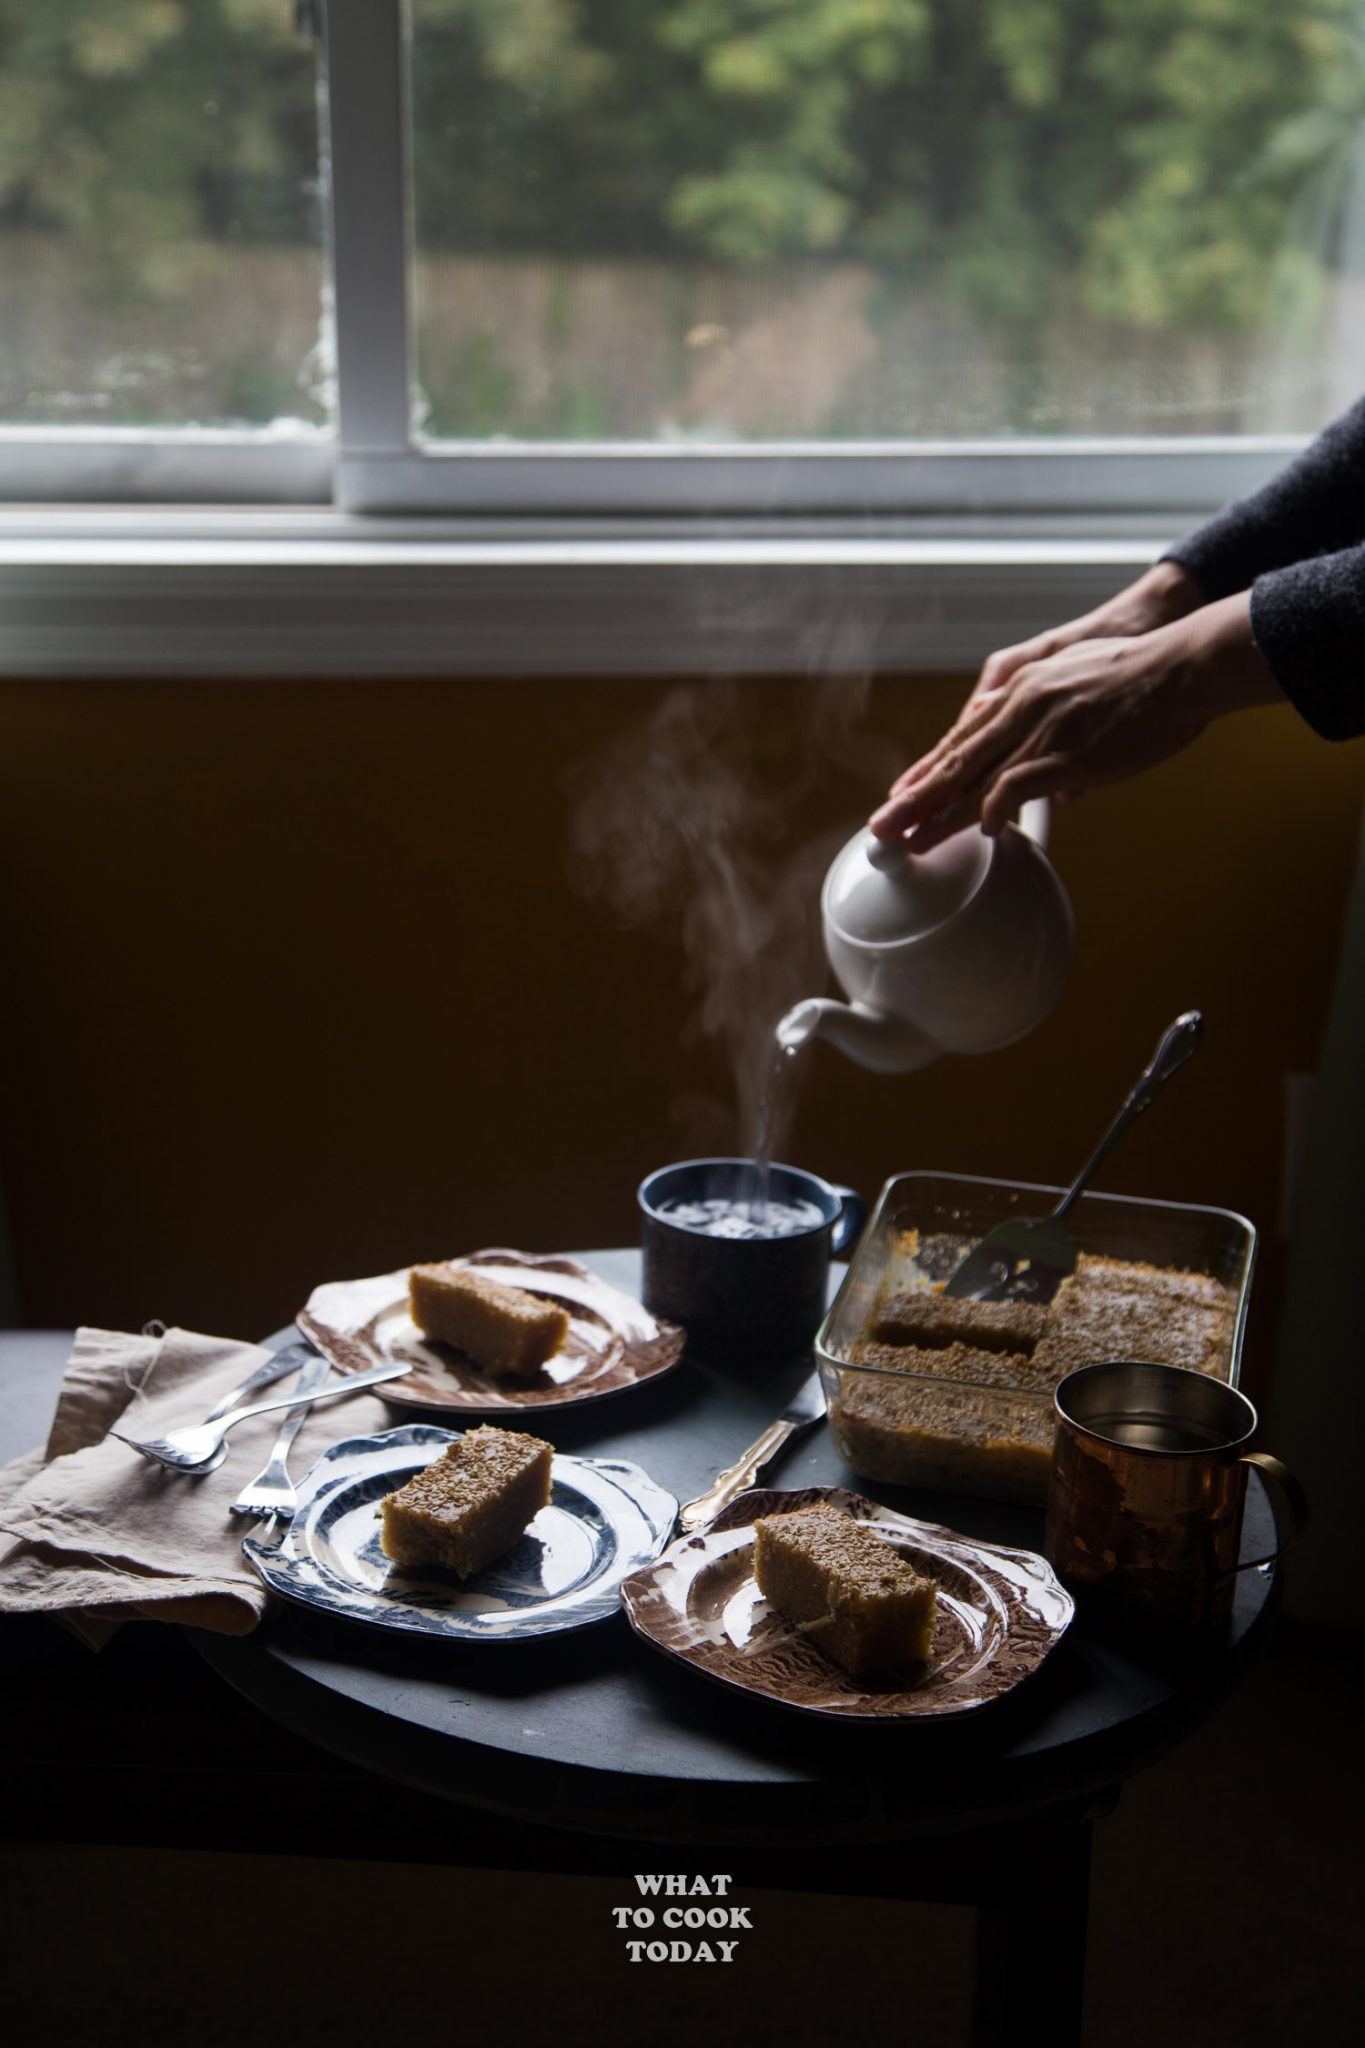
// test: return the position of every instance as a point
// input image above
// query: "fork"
(189, 1450)
(287, 1360)
(272, 1492)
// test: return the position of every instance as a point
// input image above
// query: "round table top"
(595, 1730)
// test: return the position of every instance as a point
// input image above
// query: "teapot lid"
(878, 893)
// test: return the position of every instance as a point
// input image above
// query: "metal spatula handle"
(1177, 1042)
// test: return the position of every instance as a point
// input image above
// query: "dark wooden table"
(569, 1753)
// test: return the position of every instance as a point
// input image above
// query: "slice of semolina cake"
(844, 1588)
(471, 1505)
(505, 1330)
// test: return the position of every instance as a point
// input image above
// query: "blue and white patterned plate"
(604, 1520)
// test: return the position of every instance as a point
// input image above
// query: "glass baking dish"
(991, 1437)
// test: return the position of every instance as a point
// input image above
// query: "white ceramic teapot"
(962, 949)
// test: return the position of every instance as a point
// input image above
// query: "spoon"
(1028, 1258)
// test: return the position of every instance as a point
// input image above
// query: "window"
(900, 230)
(162, 263)
(729, 221)
(946, 255)
(706, 268)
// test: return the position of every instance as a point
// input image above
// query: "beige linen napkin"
(97, 1533)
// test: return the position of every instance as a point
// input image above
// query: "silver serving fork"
(271, 1492)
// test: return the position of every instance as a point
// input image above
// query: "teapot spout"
(883, 1044)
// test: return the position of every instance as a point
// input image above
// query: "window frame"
(374, 466)
(383, 469)
(364, 551)
(145, 592)
(167, 466)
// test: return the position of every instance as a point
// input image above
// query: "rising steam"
(686, 820)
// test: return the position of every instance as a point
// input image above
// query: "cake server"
(189, 1450)
(806, 1406)
(1028, 1258)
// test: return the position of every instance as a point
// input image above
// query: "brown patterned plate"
(999, 1614)
(612, 1343)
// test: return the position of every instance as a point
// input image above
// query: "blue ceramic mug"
(742, 1298)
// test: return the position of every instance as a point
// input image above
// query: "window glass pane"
(839, 220)
(161, 257)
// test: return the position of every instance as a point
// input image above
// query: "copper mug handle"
(1295, 1499)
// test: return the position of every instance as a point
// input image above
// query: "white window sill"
(104, 592)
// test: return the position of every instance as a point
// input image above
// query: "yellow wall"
(298, 988)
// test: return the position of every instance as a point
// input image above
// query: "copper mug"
(1149, 1478)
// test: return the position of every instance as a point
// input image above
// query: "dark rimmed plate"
(1000, 1612)
(613, 1343)
(605, 1518)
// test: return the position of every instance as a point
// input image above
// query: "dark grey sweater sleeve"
(1309, 622)
(1299, 542)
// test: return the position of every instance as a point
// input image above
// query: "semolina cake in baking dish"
(959, 1393)
(471, 1505)
(1120, 1308)
(912, 1433)
(920, 1317)
(844, 1588)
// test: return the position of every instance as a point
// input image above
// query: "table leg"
(1030, 1948)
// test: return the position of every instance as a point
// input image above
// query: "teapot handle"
(1035, 821)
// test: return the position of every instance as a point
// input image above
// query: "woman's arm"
(1265, 601)
(1316, 506)
(1309, 623)
(1092, 713)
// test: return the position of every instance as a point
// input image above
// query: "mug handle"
(849, 1222)
(1295, 1499)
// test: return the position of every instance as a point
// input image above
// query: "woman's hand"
(1166, 592)
(1092, 711)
